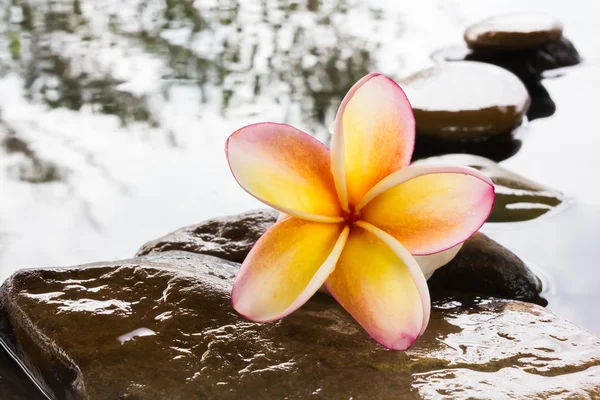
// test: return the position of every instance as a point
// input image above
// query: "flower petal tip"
(287, 265)
(374, 135)
(402, 343)
(245, 310)
(237, 306)
(390, 299)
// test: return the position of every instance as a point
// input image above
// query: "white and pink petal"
(374, 134)
(380, 284)
(287, 265)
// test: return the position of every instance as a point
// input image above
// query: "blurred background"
(114, 114)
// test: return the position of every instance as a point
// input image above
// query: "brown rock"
(487, 259)
(528, 63)
(161, 327)
(466, 100)
(230, 238)
(482, 266)
(514, 32)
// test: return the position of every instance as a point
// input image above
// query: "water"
(113, 117)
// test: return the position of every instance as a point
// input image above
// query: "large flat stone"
(161, 327)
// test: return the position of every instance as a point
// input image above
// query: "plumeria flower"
(356, 215)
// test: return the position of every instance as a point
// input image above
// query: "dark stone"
(496, 148)
(526, 44)
(483, 266)
(529, 64)
(14, 382)
(75, 329)
(503, 287)
(448, 103)
(542, 105)
(230, 238)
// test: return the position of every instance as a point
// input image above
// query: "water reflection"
(235, 56)
(140, 332)
(178, 75)
(563, 246)
(29, 168)
(496, 148)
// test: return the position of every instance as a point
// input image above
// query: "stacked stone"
(526, 44)
(487, 91)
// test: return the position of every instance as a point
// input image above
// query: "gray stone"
(162, 327)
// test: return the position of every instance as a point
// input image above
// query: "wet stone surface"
(527, 44)
(466, 100)
(514, 31)
(517, 198)
(230, 238)
(503, 274)
(184, 341)
(483, 266)
(528, 66)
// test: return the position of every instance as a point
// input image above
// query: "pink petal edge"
(314, 285)
(415, 171)
(337, 142)
(411, 264)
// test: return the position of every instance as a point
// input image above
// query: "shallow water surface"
(113, 117)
